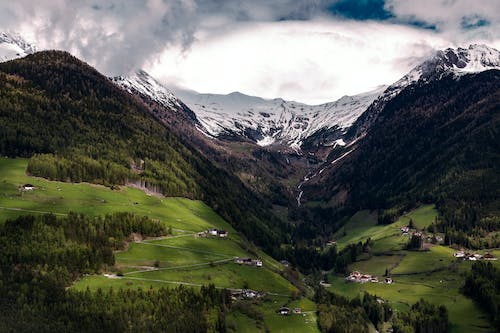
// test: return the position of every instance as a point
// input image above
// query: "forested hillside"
(42, 255)
(87, 129)
(434, 142)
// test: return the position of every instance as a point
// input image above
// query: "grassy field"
(434, 275)
(363, 225)
(184, 258)
(438, 257)
(439, 288)
(376, 265)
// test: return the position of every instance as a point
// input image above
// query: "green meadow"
(363, 225)
(183, 258)
(434, 275)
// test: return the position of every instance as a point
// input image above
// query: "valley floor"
(435, 275)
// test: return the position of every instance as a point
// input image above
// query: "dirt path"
(192, 284)
(32, 211)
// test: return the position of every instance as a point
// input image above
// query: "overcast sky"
(309, 51)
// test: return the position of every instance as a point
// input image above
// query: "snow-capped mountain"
(277, 121)
(460, 61)
(13, 46)
(143, 83)
(268, 121)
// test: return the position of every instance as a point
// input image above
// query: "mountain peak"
(143, 83)
(13, 46)
(457, 61)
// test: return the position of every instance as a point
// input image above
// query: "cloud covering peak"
(307, 50)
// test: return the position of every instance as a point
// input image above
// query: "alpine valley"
(130, 206)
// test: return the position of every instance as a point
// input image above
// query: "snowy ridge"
(13, 46)
(276, 120)
(142, 83)
(476, 58)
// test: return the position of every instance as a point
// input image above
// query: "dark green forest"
(43, 255)
(78, 126)
(483, 285)
(435, 142)
(337, 314)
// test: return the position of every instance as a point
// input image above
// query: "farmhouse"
(489, 256)
(222, 233)
(388, 280)
(405, 229)
(217, 232)
(28, 187)
(297, 310)
(459, 254)
(284, 311)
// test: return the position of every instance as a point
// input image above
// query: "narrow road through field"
(32, 211)
(192, 284)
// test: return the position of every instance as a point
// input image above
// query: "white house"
(284, 311)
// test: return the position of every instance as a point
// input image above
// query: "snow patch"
(13, 46)
(266, 141)
(276, 120)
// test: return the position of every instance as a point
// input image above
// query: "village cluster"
(245, 294)
(248, 261)
(465, 255)
(364, 278)
(407, 231)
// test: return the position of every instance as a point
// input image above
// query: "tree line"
(482, 284)
(40, 256)
(337, 314)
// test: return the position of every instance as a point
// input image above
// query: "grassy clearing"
(438, 288)
(434, 275)
(439, 257)
(422, 217)
(363, 225)
(376, 265)
(59, 197)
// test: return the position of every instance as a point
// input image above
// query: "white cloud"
(227, 45)
(309, 61)
(457, 20)
(113, 35)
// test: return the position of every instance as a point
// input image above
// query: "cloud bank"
(307, 50)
